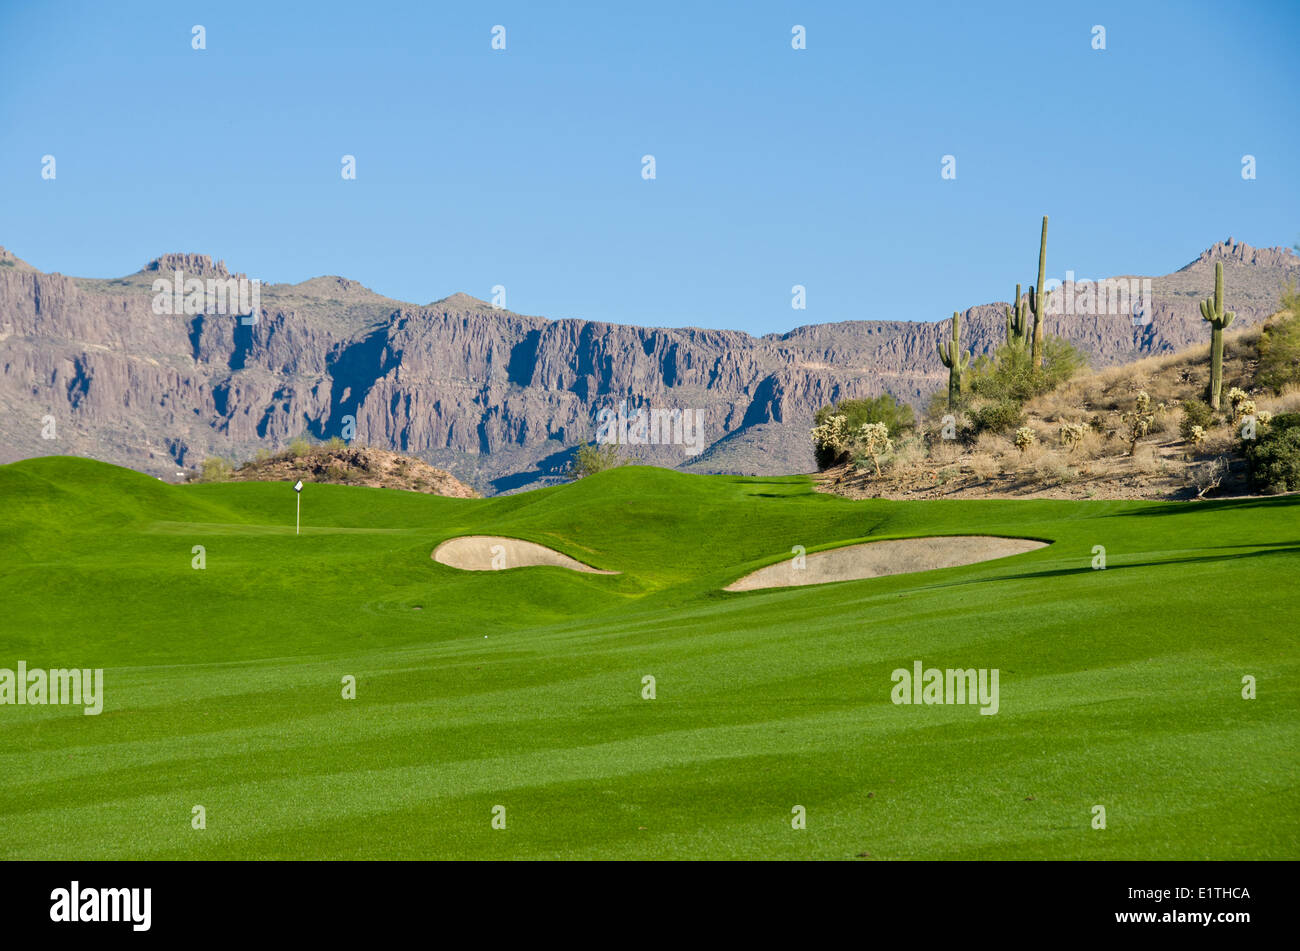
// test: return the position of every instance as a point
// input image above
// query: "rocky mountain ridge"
(500, 399)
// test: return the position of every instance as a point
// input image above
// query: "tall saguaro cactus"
(1038, 299)
(1017, 322)
(1212, 310)
(956, 362)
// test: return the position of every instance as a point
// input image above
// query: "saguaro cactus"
(1017, 322)
(956, 361)
(1212, 310)
(1038, 299)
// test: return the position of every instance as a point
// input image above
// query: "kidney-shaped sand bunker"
(494, 553)
(895, 556)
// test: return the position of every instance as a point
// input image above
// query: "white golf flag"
(298, 486)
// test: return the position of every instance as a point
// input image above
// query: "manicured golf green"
(523, 688)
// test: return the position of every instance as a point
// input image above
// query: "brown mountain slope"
(1162, 465)
(498, 398)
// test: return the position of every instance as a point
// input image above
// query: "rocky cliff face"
(87, 367)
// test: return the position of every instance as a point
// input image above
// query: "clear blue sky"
(775, 167)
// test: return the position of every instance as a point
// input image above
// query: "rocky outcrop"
(349, 465)
(498, 398)
(1238, 252)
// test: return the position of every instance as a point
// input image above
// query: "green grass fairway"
(523, 688)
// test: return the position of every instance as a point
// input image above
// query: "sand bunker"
(890, 557)
(494, 553)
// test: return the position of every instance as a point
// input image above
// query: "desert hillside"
(1082, 446)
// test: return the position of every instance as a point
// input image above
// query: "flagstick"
(297, 519)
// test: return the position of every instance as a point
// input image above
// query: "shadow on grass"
(1212, 505)
(1275, 548)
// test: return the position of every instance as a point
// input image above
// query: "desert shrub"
(215, 469)
(985, 466)
(1279, 344)
(337, 473)
(336, 442)
(596, 457)
(1273, 460)
(1196, 415)
(944, 452)
(1008, 375)
(909, 452)
(1090, 446)
(1283, 421)
(1205, 477)
(299, 447)
(936, 407)
(1050, 470)
(1143, 459)
(997, 417)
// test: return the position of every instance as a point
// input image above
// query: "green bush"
(874, 409)
(1195, 413)
(1274, 459)
(827, 456)
(215, 469)
(1279, 344)
(1008, 375)
(897, 417)
(1284, 421)
(997, 417)
(596, 457)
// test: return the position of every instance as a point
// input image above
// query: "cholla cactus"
(1264, 417)
(1139, 421)
(1025, 437)
(834, 433)
(1198, 435)
(1072, 433)
(1243, 409)
(1236, 395)
(875, 442)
